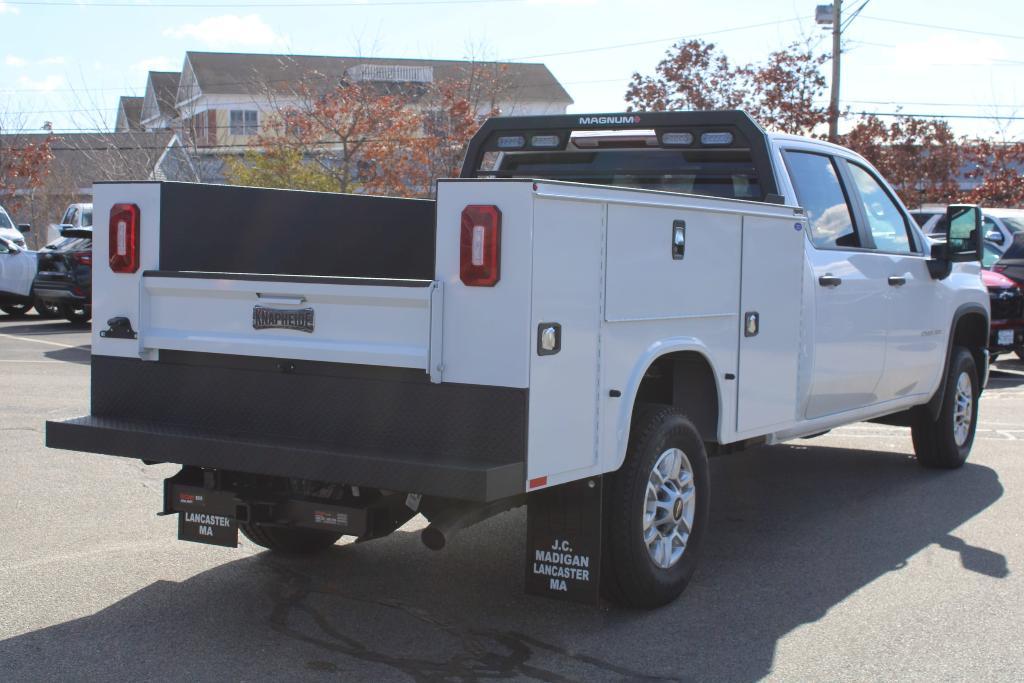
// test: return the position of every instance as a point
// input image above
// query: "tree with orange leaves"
(372, 137)
(24, 164)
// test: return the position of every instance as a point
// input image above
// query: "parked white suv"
(1000, 225)
(10, 231)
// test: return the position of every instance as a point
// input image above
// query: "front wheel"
(657, 510)
(16, 310)
(944, 443)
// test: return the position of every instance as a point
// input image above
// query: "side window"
(885, 220)
(72, 217)
(820, 193)
(243, 122)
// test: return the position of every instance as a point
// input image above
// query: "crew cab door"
(849, 284)
(915, 332)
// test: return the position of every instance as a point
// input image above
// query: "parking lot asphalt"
(834, 558)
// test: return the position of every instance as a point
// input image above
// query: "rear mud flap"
(563, 541)
(205, 516)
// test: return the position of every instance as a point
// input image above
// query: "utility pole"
(833, 103)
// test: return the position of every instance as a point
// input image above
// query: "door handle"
(830, 280)
(897, 280)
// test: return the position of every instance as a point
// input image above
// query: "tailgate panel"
(371, 322)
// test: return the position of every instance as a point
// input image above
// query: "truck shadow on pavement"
(796, 531)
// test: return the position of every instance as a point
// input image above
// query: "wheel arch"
(970, 329)
(658, 376)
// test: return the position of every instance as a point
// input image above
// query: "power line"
(660, 40)
(957, 29)
(250, 5)
(990, 117)
(939, 104)
(853, 15)
(511, 59)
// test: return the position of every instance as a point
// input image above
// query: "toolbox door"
(568, 265)
(770, 321)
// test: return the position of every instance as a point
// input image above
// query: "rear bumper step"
(475, 480)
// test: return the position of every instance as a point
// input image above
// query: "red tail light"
(999, 267)
(83, 257)
(480, 246)
(124, 238)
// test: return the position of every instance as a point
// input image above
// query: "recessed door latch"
(751, 324)
(119, 328)
(549, 339)
(678, 240)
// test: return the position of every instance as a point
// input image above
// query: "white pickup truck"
(598, 304)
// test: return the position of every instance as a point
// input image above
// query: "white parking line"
(42, 341)
(29, 361)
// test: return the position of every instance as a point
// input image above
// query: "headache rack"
(722, 153)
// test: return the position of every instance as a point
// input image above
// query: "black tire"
(289, 540)
(47, 310)
(16, 310)
(935, 441)
(76, 314)
(630, 575)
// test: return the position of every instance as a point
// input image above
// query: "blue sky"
(67, 62)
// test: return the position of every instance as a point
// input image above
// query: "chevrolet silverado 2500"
(594, 307)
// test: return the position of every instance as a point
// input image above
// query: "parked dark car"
(1006, 298)
(1011, 263)
(64, 279)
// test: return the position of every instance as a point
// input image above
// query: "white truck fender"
(651, 354)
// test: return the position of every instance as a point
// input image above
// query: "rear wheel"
(657, 510)
(944, 443)
(46, 309)
(79, 314)
(16, 310)
(289, 540)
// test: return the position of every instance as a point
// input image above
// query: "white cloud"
(48, 84)
(11, 60)
(52, 60)
(229, 30)
(157, 64)
(8, 9)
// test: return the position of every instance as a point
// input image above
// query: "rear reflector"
(480, 246)
(123, 244)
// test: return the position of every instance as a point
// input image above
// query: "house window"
(243, 122)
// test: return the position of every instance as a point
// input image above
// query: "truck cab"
(575, 324)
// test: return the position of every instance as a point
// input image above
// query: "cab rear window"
(720, 173)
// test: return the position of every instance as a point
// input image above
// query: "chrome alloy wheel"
(669, 507)
(963, 409)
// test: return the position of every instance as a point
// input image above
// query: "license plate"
(206, 516)
(1004, 337)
